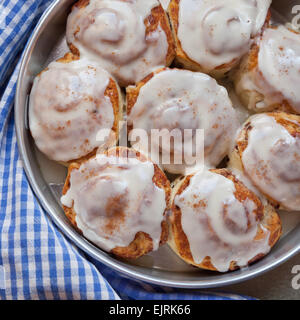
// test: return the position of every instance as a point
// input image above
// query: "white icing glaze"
(68, 108)
(114, 34)
(272, 161)
(209, 203)
(217, 32)
(277, 75)
(180, 99)
(114, 199)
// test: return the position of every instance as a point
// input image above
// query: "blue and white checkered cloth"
(36, 260)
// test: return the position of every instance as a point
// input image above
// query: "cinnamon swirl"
(128, 38)
(219, 224)
(118, 200)
(174, 101)
(212, 35)
(268, 152)
(71, 101)
(269, 75)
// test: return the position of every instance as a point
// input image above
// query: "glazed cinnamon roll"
(176, 101)
(128, 38)
(268, 77)
(218, 224)
(212, 35)
(268, 152)
(118, 201)
(71, 102)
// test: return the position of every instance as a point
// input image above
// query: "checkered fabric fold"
(36, 260)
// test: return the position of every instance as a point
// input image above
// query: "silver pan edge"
(36, 52)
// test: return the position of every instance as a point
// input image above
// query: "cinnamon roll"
(212, 35)
(128, 38)
(268, 152)
(71, 101)
(175, 101)
(118, 201)
(268, 77)
(218, 224)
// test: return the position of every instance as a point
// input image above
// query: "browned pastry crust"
(288, 121)
(115, 96)
(248, 64)
(265, 214)
(142, 244)
(182, 59)
(158, 17)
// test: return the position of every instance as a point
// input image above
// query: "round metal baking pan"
(155, 268)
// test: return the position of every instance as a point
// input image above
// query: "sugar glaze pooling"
(114, 199)
(226, 246)
(181, 99)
